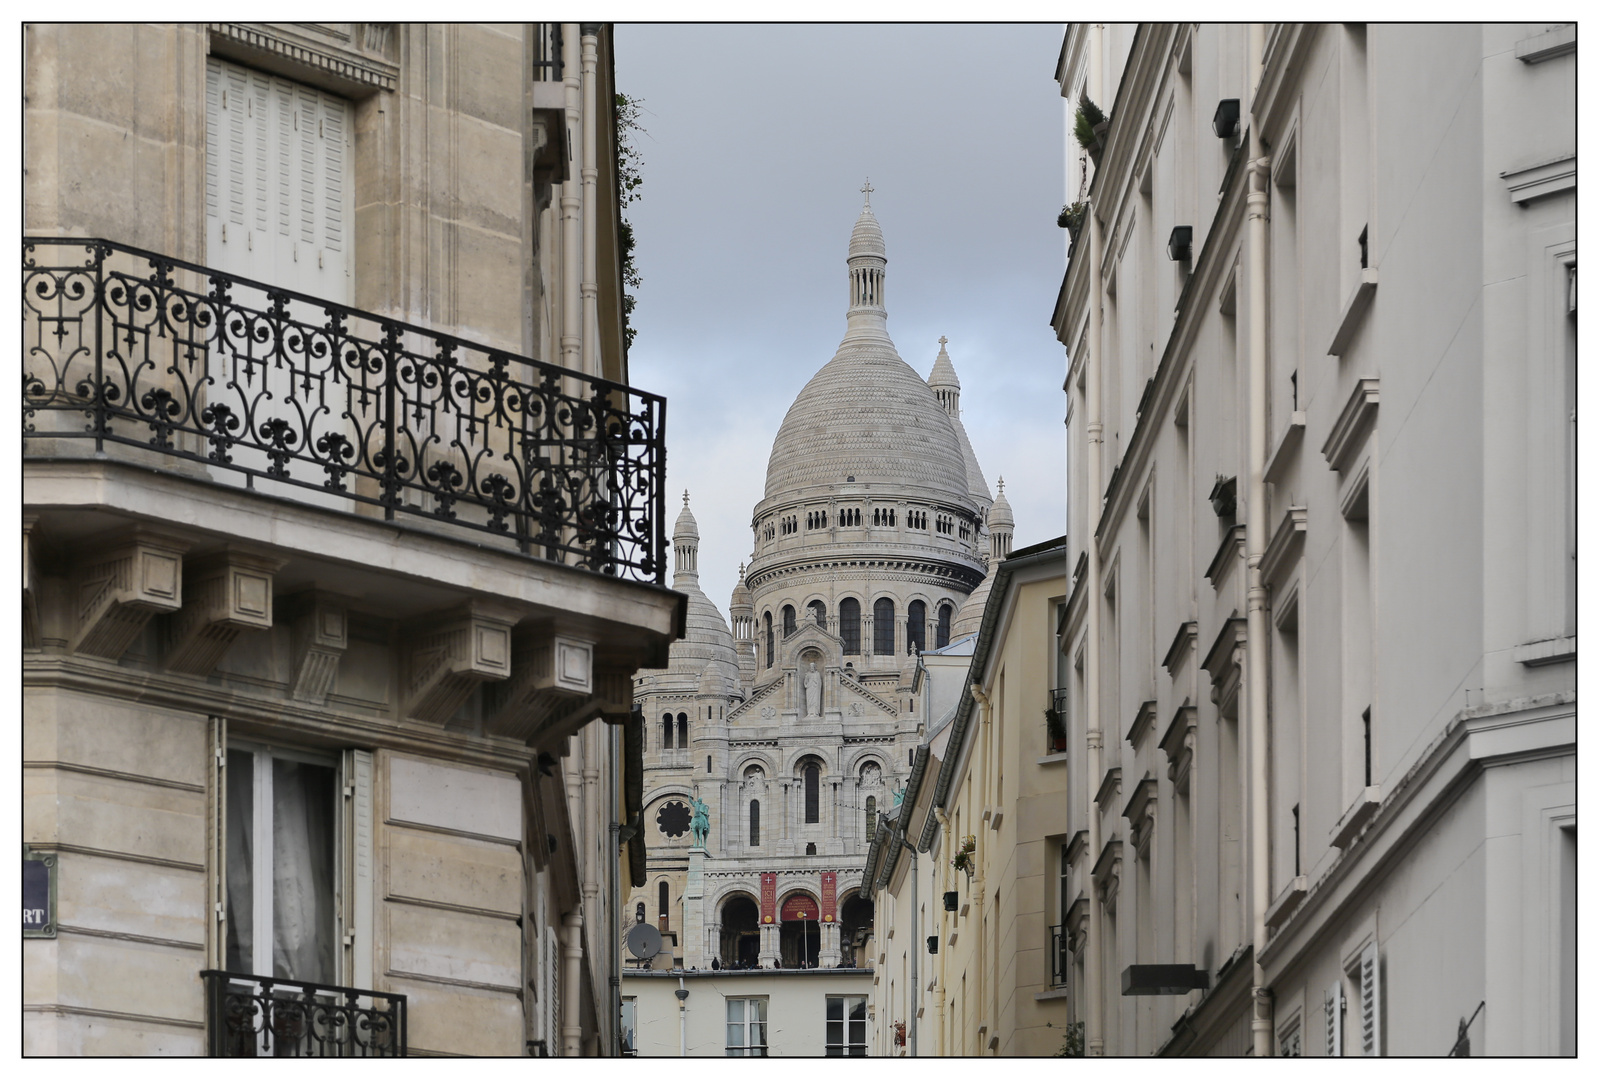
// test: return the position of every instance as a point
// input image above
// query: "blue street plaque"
(38, 894)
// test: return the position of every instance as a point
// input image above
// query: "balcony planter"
(952, 900)
(1090, 127)
(965, 859)
(1056, 726)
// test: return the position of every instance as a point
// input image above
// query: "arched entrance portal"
(854, 922)
(801, 936)
(741, 932)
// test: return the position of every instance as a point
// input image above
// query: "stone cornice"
(355, 69)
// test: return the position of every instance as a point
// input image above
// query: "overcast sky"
(758, 139)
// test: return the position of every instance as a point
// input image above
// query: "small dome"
(867, 238)
(741, 591)
(686, 527)
(943, 376)
(1000, 515)
(969, 619)
(712, 681)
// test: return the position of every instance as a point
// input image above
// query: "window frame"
(745, 1024)
(844, 1047)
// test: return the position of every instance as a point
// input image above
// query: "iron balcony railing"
(1060, 955)
(253, 385)
(254, 1016)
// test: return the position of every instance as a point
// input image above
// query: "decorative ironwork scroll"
(310, 400)
(253, 1016)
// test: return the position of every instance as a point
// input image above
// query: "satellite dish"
(643, 941)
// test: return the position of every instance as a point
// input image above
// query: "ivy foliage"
(629, 178)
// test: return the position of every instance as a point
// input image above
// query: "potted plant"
(1090, 126)
(1071, 219)
(965, 859)
(1056, 725)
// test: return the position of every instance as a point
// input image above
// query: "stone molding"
(350, 69)
(446, 663)
(1356, 417)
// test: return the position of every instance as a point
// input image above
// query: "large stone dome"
(867, 414)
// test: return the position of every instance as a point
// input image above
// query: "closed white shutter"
(1370, 1003)
(356, 906)
(1333, 1007)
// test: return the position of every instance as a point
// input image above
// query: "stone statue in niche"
(813, 692)
(701, 823)
(871, 774)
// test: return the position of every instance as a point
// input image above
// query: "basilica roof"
(706, 639)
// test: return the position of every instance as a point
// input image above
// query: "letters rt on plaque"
(38, 894)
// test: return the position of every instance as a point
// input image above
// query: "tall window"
(871, 815)
(846, 1025)
(755, 823)
(813, 794)
(849, 625)
(280, 872)
(818, 612)
(666, 731)
(788, 620)
(682, 730)
(883, 627)
(768, 639)
(945, 613)
(746, 1027)
(664, 908)
(916, 627)
(629, 1027)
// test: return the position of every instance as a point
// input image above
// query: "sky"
(757, 140)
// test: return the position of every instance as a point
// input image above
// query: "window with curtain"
(883, 627)
(849, 625)
(755, 823)
(768, 639)
(916, 627)
(788, 620)
(746, 1027)
(281, 815)
(945, 614)
(813, 794)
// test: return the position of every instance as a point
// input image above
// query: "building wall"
(1402, 579)
(796, 1008)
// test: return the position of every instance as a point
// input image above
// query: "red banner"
(768, 898)
(799, 907)
(829, 895)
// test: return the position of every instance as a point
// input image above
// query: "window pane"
(835, 1011)
(302, 871)
(241, 859)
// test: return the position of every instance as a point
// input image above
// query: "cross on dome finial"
(1002, 485)
(685, 496)
(867, 190)
(942, 340)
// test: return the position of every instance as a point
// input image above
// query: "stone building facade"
(342, 539)
(796, 724)
(1321, 654)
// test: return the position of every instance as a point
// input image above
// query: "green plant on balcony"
(1090, 126)
(1055, 723)
(965, 859)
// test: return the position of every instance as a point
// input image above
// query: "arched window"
(916, 627)
(813, 794)
(871, 815)
(755, 823)
(665, 908)
(768, 639)
(849, 625)
(682, 730)
(788, 620)
(818, 612)
(883, 627)
(945, 611)
(666, 732)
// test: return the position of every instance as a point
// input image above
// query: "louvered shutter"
(1333, 1010)
(1370, 1003)
(356, 903)
(216, 839)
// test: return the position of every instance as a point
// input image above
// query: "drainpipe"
(1254, 547)
(979, 886)
(682, 1018)
(615, 812)
(572, 217)
(916, 949)
(1094, 1024)
(572, 983)
(591, 203)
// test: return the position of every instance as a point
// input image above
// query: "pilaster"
(694, 911)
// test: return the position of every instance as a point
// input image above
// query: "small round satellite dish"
(643, 941)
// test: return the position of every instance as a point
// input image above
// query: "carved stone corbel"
(120, 587)
(448, 660)
(225, 594)
(320, 624)
(553, 679)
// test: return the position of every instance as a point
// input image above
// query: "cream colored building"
(789, 1012)
(343, 538)
(1321, 640)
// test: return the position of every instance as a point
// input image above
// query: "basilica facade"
(774, 739)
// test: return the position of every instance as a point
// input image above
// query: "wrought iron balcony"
(1060, 955)
(246, 384)
(253, 1016)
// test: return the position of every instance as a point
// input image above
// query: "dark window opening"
(788, 620)
(1365, 724)
(666, 732)
(849, 625)
(945, 612)
(682, 731)
(916, 627)
(665, 907)
(883, 627)
(818, 612)
(755, 823)
(768, 639)
(813, 794)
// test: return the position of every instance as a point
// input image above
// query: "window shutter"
(1370, 1004)
(1334, 1006)
(356, 919)
(216, 837)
